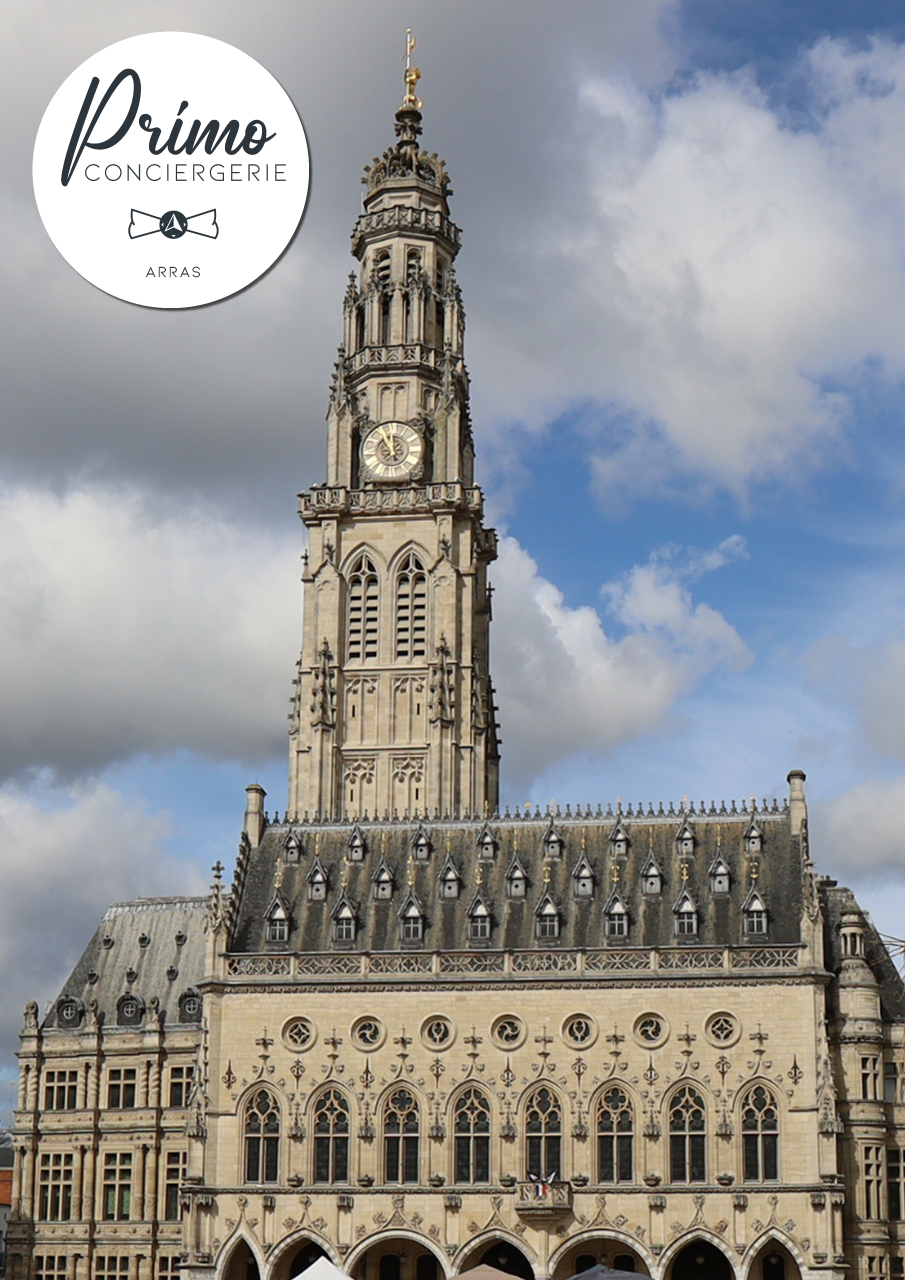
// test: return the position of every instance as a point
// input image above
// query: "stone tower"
(393, 710)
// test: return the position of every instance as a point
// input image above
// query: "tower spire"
(395, 652)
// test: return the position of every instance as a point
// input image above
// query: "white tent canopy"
(322, 1269)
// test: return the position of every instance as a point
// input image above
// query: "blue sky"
(684, 274)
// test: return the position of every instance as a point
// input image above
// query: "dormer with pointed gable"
(616, 916)
(345, 920)
(480, 920)
(685, 911)
(720, 875)
(383, 881)
(450, 879)
(487, 845)
(357, 845)
(754, 914)
(753, 838)
(421, 845)
(317, 882)
(554, 844)
(619, 840)
(583, 878)
(411, 920)
(516, 880)
(548, 918)
(278, 918)
(651, 877)
(292, 846)
(685, 838)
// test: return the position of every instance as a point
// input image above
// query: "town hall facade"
(414, 1034)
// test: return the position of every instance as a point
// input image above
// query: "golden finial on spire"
(344, 878)
(547, 873)
(411, 75)
(584, 840)
(479, 876)
(684, 871)
(411, 870)
(719, 836)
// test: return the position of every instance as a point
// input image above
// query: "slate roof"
(776, 872)
(160, 940)
(837, 901)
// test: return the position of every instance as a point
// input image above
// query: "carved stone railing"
(537, 1201)
(681, 959)
(406, 218)
(765, 958)
(336, 499)
(528, 964)
(397, 355)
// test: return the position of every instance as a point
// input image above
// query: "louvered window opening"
(364, 600)
(411, 610)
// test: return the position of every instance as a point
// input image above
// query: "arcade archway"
(599, 1251)
(774, 1262)
(397, 1258)
(241, 1264)
(501, 1254)
(295, 1260)
(701, 1260)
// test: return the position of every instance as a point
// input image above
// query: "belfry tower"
(393, 710)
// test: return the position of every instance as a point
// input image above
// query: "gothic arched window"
(262, 1137)
(331, 1138)
(543, 1130)
(364, 601)
(615, 1134)
(401, 1137)
(472, 1127)
(687, 1137)
(760, 1136)
(411, 609)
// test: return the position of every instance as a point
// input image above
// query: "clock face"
(391, 451)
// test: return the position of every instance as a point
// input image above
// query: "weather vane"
(412, 74)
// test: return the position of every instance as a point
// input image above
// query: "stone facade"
(415, 1034)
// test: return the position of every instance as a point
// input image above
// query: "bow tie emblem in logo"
(174, 224)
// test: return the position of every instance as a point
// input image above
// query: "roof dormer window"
(686, 915)
(345, 922)
(685, 839)
(421, 845)
(616, 918)
(356, 845)
(619, 841)
(317, 882)
(719, 876)
(450, 880)
(411, 920)
(583, 879)
(516, 880)
(486, 844)
(755, 915)
(479, 921)
(553, 842)
(382, 880)
(547, 913)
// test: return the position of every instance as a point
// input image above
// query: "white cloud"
(566, 687)
(717, 266)
(62, 863)
(860, 829)
(123, 629)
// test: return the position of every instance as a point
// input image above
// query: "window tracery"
(687, 1136)
(471, 1124)
(615, 1137)
(760, 1136)
(543, 1132)
(262, 1137)
(401, 1129)
(331, 1137)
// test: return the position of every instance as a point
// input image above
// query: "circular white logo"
(171, 169)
